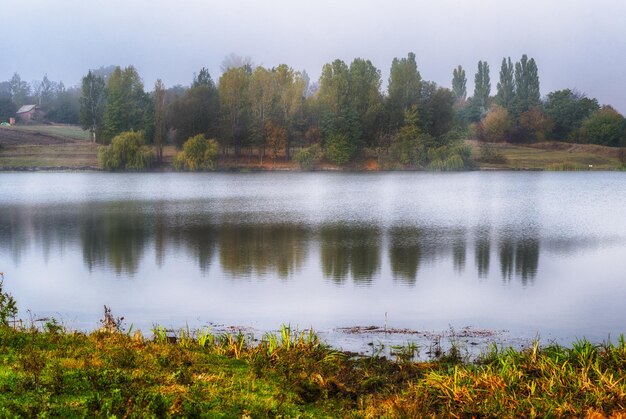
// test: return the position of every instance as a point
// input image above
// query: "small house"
(29, 113)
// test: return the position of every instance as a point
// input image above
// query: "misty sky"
(577, 44)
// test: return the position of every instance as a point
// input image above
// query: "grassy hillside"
(69, 131)
(553, 156)
(46, 146)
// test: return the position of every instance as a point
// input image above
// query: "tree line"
(270, 112)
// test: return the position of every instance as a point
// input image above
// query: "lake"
(520, 254)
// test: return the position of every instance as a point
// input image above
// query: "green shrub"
(126, 152)
(308, 156)
(199, 153)
(449, 158)
(338, 149)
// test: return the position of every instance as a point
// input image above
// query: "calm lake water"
(532, 254)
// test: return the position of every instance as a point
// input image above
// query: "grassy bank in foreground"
(55, 373)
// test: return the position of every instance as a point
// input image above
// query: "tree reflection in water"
(116, 236)
(350, 249)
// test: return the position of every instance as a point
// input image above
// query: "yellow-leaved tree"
(199, 153)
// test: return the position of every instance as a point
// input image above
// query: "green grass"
(70, 131)
(56, 155)
(552, 156)
(292, 374)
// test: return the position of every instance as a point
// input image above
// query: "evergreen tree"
(203, 79)
(197, 111)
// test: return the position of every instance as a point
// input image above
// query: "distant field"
(553, 156)
(46, 146)
(69, 131)
(60, 155)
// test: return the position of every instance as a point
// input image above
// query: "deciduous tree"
(534, 125)
(19, 90)
(160, 128)
(497, 124)
(506, 85)
(403, 90)
(527, 94)
(365, 99)
(276, 138)
(437, 109)
(92, 104)
(334, 87)
(605, 127)
(235, 105)
(128, 107)
(459, 84)
(568, 109)
(482, 86)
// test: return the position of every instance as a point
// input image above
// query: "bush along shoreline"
(50, 371)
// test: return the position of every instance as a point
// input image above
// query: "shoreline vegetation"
(52, 371)
(47, 370)
(61, 148)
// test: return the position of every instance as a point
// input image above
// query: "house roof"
(26, 108)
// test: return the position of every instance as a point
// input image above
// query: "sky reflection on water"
(526, 252)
